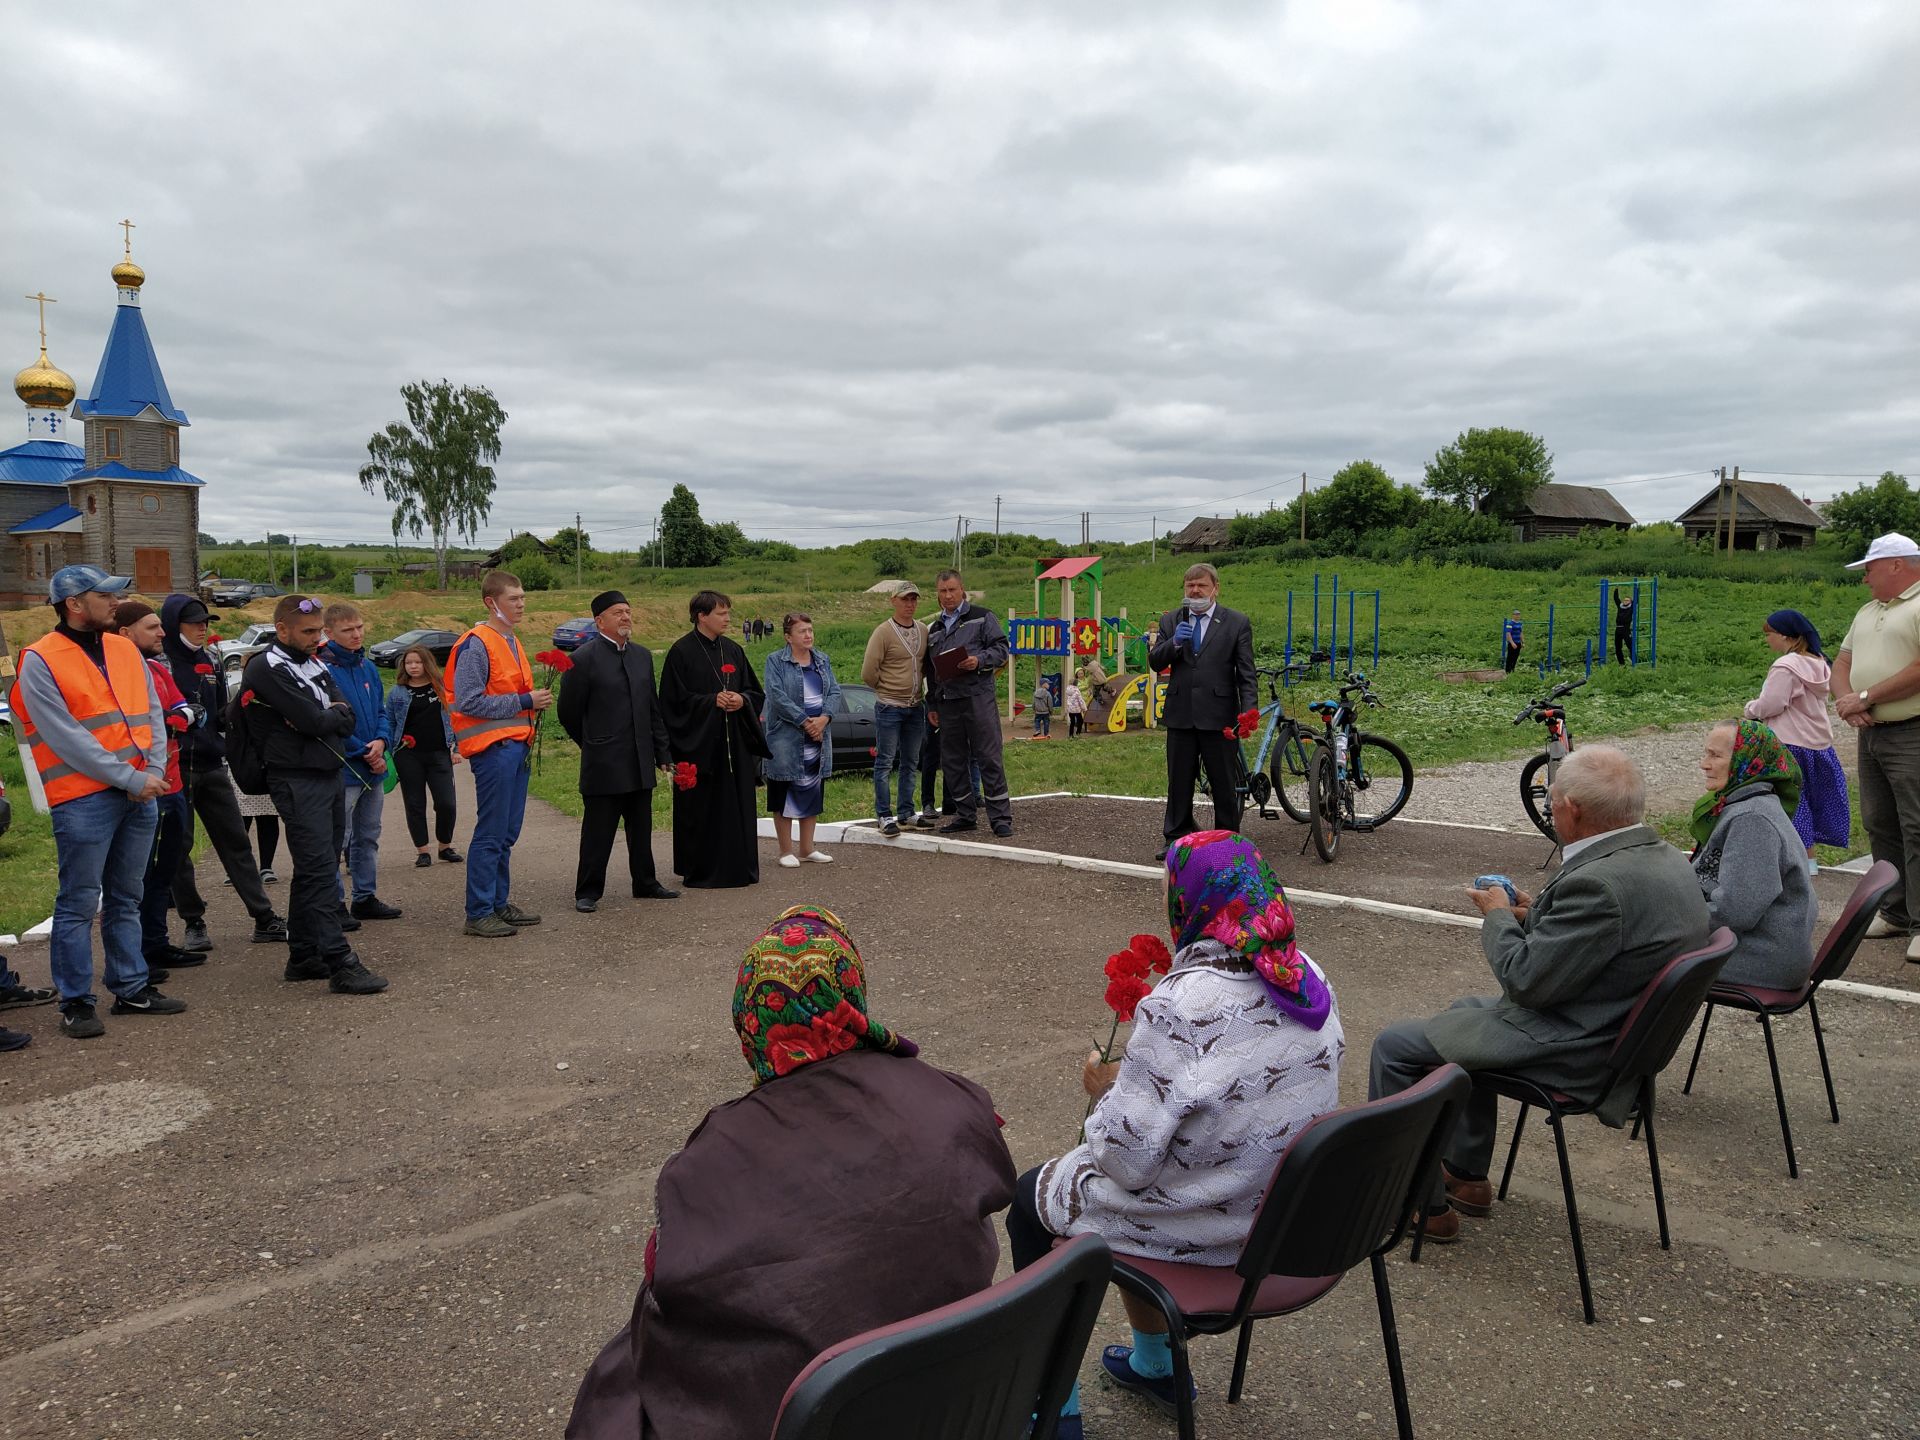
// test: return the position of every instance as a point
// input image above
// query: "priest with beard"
(711, 700)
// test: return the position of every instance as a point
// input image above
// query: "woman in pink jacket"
(1794, 703)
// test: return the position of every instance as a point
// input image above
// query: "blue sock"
(1072, 1407)
(1152, 1355)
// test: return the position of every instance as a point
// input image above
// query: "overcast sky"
(852, 270)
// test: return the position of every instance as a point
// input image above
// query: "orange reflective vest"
(506, 675)
(113, 706)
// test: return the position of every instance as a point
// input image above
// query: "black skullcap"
(606, 600)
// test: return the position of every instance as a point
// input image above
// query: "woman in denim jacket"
(800, 694)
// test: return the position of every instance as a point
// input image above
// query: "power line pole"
(577, 546)
(296, 564)
(958, 521)
(1153, 543)
(1303, 505)
(273, 571)
(1733, 512)
(996, 527)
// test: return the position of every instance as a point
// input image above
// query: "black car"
(852, 730)
(439, 644)
(245, 592)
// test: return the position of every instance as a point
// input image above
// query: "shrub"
(534, 572)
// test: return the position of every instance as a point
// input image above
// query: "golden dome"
(129, 276)
(44, 384)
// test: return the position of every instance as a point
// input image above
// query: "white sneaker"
(817, 857)
(792, 862)
(1913, 950)
(1882, 929)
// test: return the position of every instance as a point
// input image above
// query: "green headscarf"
(801, 996)
(1757, 756)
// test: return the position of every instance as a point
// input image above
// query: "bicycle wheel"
(1382, 780)
(1533, 795)
(1325, 820)
(1289, 765)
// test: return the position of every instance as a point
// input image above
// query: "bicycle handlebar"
(1534, 706)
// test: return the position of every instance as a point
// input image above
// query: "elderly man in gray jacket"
(1570, 964)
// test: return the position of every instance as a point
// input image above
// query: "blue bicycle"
(1356, 780)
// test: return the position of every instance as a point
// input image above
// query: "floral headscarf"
(801, 996)
(1219, 888)
(1758, 755)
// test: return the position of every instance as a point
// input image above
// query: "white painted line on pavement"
(1208, 801)
(1871, 992)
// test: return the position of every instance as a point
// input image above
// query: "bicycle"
(1350, 765)
(1535, 792)
(1281, 763)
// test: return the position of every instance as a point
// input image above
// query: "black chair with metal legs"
(1646, 1045)
(1836, 953)
(1343, 1192)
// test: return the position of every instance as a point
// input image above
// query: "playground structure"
(1332, 648)
(1075, 634)
(1597, 649)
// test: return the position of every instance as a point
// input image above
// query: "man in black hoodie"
(303, 721)
(206, 783)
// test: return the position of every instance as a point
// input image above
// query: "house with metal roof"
(119, 499)
(1567, 510)
(1762, 515)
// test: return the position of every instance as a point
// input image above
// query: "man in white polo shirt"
(1876, 690)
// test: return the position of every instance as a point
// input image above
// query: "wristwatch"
(1863, 697)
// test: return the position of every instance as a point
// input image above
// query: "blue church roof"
(129, 378)
(114, 470)
(46, 520)
(41, 462)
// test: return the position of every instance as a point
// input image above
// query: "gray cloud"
(841, 270)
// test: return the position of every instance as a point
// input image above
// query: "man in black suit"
(607, 705)
(1209, 649)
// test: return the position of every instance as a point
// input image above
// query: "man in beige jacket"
(894, 666)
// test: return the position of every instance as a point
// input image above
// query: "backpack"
(246, 745)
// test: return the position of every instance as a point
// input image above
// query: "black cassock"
(715, 843)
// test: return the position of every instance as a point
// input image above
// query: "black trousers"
(1513, 656)
(970, 739)
(604, 815)
(210, 795)
(1186, 749)
(1028, 1239)
(419, 775)
(176, 822)
(1622, 646)
(312, 806)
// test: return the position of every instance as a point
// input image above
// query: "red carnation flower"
(685, 775)
(1124, 994)
(406, 742)
(203, 669)
(1126, 965)
(1151, 952)
(726, 669)
(872, 752)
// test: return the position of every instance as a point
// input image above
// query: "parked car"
(852, 730)
(386, 654)
(244, 592)
(231, 654)
(569, 634)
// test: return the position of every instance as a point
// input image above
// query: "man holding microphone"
(1208, 650)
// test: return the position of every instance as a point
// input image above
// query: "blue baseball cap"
(79, 579)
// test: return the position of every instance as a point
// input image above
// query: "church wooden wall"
(18, 586)
(116, 524)
(143, 444)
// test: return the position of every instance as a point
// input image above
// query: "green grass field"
(1435, 619)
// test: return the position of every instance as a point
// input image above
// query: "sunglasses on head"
(307, 607)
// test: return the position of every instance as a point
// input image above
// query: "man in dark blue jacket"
(364, 777)
(205, 782)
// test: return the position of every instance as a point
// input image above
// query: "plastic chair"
(1836, 953)
(1343, 1192)
(981, 1368)
(1646, 1045)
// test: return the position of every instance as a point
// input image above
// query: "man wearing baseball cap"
(1876, 690)
(92, 721)
(893, 666)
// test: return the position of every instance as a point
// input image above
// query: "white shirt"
(1201, 620)
(1574, 847)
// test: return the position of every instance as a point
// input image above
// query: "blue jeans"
(365, 805)
(899, 731)
(500, 800)
(103, 840)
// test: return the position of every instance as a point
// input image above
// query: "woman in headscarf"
(1237, 1047)
(852, 1187)
(1748, 857)
(1793, 703)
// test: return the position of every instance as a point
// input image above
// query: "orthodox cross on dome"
(127, 227)
(44, 300)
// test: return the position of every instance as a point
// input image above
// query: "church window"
(150, 504)
(111, 442)
(173, 446)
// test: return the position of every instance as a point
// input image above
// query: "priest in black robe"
(711, 700)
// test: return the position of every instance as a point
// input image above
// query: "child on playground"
(1042, 710)
(1076, 711)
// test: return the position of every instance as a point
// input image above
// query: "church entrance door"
(153, 571)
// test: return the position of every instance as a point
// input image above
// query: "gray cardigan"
(1753, 872)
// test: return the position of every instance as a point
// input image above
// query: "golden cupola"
(129, 276)
(43, 385)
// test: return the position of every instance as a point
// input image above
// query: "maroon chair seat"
(1344, 1191)
(979, 1369)
(1645, 1046)
(1830, 963)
